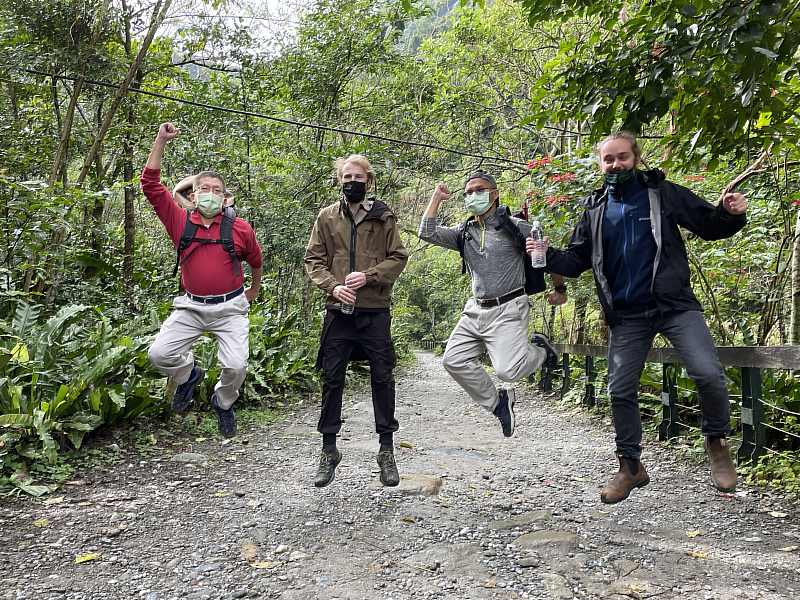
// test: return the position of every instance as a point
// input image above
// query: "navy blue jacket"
(670, 206)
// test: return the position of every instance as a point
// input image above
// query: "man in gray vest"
(496, 318)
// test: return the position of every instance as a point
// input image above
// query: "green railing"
(749, 359)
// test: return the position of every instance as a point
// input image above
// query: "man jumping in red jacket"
(216, 300)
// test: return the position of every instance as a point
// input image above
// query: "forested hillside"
(428, 93)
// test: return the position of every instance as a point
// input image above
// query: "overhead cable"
(281, 119)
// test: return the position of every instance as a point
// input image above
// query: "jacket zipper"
(352, 245)
(625, 250)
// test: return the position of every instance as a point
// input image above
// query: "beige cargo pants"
(503, 332)
(171, 350)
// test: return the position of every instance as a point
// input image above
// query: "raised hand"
(735, 204)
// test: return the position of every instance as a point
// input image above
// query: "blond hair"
(619, 135)
(357, 159)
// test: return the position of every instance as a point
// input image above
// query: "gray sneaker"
(326, 470)
(390, 476)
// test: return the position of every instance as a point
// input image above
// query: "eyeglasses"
(479, 190)
(205, 189)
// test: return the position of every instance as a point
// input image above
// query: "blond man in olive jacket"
(355, 255)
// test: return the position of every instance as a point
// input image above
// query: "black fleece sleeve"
(577, 258)
(698, 216)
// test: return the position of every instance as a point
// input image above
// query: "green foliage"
(727, 69)
(777, 471)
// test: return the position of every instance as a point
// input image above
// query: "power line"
(280, 119)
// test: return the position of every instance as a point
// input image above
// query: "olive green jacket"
(338, 247)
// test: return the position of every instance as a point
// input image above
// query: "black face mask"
(354, 191)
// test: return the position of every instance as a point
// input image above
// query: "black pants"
(367, 335)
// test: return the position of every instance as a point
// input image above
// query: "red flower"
(535, 164)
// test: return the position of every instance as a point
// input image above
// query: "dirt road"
(477, 516)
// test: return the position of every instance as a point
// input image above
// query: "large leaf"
(49, 338)
(24, 319)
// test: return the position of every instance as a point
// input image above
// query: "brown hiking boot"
(624, 481)
(723, 473)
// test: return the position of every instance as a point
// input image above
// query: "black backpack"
(534, 278)
(226, 239)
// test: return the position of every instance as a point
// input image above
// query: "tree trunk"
(794, 326)
(130, 197)
(59, 161)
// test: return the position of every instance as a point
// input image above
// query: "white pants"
(171, 351)
(503, 332)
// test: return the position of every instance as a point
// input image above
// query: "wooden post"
(589, 396)
(754, 432)
(668, 428)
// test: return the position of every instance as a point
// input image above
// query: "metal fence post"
(668, 428)
(754, 432)
(546, 382)
(566, 374)
(589, 397)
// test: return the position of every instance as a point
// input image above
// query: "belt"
(215, 299)
(498, 301)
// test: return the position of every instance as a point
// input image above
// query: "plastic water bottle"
(538, 256)
(348, 307)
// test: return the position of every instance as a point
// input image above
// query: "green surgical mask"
(617, 179)
(477, 203)
(208, 204)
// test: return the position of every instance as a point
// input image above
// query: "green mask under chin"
(617, 179)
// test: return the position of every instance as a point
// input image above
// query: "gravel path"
(512, 518)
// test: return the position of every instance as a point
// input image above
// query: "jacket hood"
(650, 178)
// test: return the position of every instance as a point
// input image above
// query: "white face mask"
(208, 204)
(478, 203)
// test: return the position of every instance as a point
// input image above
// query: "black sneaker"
(505, 410)
(389, 475)
(551, 358)
(184, 393)
(226, 419)
(326, 470)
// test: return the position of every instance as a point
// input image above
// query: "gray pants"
(503, 332)
(171, 351)
(627, 350)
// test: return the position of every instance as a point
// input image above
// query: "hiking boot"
(226, 419)
(624, 481)
(184, 393)
(505, 410)
(326, 470)
(723, 473)
(551, 358)
(389, 475)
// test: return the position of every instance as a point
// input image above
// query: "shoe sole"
(333, 476)
(513, 419)
(641, 484)
(726, 490)
(551, 358)
(395, 484)
(200, 376)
